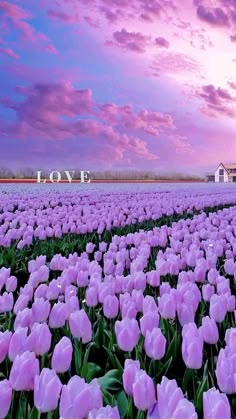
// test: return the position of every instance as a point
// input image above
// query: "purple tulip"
(130, 370)
(171, 402)
(62, 355)
(192, 346)
(207, 291)
(57, 316)
(5, 338)
(21, 303)
(216, 405)
(6, 302)
(11, 284)
(24, 368)
(91, 296)
(143, 391)
(186, 313)
(127, 333)
(41, 292)
(79, 398)
(5, 398)
(230, 337)
(18, 343)
(210, 331)
(138, 298)
(110, 306)
(153, 278)
(167, 306)
(23, 318)
(72, 305)
(149, 321)
(47, 388)
(107, 412)
(39, 340)
(40, 310)
(229, 266)
(226, 370)
(218, 307)
(80, 326)
(155, 344)
(149, 304)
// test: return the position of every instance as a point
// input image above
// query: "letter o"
(51, 177)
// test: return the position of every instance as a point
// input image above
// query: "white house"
(225, 173)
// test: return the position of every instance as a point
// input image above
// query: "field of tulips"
(118, 305)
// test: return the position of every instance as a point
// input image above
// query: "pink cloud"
(150, 122)
(215, 16)
(15, 17)
(51, 49)
(9, 52)
(13, 11)
(161, 42)
(62, 16)
(134, 41)
(218, 101)
(172, 63)
(60, 112)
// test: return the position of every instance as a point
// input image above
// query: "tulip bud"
(47, 388)
(5, 398)
(62, 355)
(216, 405)
(24, 368)
(143, 391)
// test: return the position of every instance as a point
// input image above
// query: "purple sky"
(117, 84)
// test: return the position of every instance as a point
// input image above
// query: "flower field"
(118, 304)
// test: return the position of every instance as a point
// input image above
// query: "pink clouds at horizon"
(138, 83)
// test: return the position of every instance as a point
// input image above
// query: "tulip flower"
(5, 338)
(18, 342)
(110, 306)
(47, 388)
(79, 398)
(207, 291)
(39, 340)
(40, 310)
(167, 306)
(192, 346)
(80, 326)
(127, 333)
(130, 370)
(149, 321)
(57, 316)
(62, 355)
(91, 296)
(24, 368)
(11, 284)
(210, 331)
(216, 405)
(107, 412)
(171, 402)
(143, 391)
(226, 370)
(218, 307)
(155, 344)
(5, 398)
(6, 302)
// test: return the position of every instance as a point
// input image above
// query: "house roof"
(228, 167)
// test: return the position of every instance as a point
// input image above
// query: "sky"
(118, 84)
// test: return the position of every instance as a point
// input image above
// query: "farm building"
(225, 173)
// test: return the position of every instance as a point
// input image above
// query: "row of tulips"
(154, 303)
(26, 217)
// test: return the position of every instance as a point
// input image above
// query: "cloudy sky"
(116, 84)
